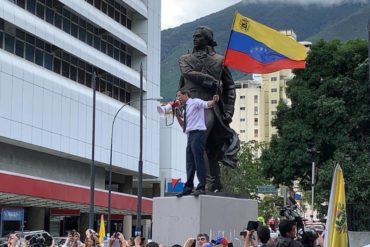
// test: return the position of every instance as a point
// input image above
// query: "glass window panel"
(31, 6)
(110, 50)
(97, 42)
(73, 73)
(102, 86)
(40, 44)
(20, 34)
(66, 25)
(103, 46)
(21, 3)
(47, 47)
(48, 61)
(89, 38)
(88, 80)
(128, 97)
(9, 43)
(49, 15)
(109, 88)
(128, 25)
(74, 18)
(39, 57)
(116, 15)
(81, 76)
(74, 60)
(116, 54)
(82, 22)
(19, 48)
(128, 60)
(123, 20)
(40, 9)
(89, 27)
(115, 92)
(56, 65)
(82, 34)
(74, 30)
(30, 39)
(89, 68)
(58, 20)
(97, 4)
(122, 95)
(81, 64)
(104, 7)
(66, 57)
(110, 11)
(30, 52)
(65, 69)
(122, 57)
(66, 13)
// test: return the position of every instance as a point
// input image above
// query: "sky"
(177, 12)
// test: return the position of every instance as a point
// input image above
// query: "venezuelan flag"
(336, 223)
(256, 48)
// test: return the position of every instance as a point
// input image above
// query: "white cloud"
(177, 12)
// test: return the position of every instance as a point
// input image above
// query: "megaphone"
(169, 108)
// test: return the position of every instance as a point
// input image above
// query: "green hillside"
(309, 22)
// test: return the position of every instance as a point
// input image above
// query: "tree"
(245, 178)
(329, 112)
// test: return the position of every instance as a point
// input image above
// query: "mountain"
(310, 22)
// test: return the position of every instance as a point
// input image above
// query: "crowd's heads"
(288, 228)
(263, 233)
(13, 240)
(221, 241)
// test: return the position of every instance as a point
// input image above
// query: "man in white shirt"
(194, 126)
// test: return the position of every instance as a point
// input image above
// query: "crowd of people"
(285, 235)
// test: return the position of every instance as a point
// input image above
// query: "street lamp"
(111, 151)
(140, 165)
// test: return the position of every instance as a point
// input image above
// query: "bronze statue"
(203, 73)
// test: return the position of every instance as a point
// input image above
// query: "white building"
(49, 50)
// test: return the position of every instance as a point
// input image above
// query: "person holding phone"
(259, 237)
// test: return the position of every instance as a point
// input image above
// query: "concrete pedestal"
(177, 219)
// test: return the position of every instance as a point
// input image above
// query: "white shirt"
(195, 114)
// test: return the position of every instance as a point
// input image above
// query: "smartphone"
(243, 233)
(252, 225)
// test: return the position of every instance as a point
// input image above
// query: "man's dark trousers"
(195, 159)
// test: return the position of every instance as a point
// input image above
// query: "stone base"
(177, 219)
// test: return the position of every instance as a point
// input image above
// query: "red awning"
(22, 190)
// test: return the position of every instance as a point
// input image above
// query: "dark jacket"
(286, 242)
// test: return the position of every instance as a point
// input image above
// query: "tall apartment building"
(247, 113)
(49, 50)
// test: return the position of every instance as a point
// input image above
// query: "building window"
(256, 122)
(274, 101)
(242, 97)
(55, 13)
(273, 90)
(255, 98)
(53, 58)
(242, 108)
(256, 133)
(242, 120)
(273, 78)
(242, 131)
(273, 113)
(256, 110)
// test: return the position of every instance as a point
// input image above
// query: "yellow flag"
(101, 229)
(336, 224)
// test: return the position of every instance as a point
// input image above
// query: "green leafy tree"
(245, 178)
(269, 206)
(329, 112)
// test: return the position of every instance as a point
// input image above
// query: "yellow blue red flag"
(256, 48)
(336, 224)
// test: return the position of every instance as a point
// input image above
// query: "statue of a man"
(203, 73)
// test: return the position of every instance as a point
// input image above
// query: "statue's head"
(203, 36)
